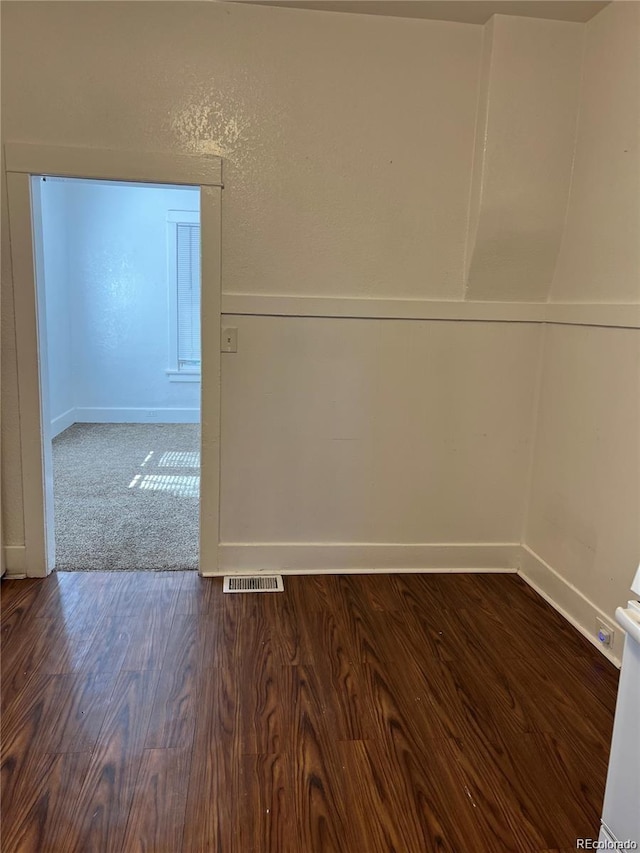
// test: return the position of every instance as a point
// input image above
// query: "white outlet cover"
(605, 633)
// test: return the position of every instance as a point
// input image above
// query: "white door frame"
(22, 160)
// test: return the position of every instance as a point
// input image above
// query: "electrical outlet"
(605, 633)
(229, 340)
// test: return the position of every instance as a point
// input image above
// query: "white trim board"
(367, 558)
(360, 307)
(157, 167)
(23, 160)
(382, 309)
(311, 557)
(568, 601)
(420, 570)
(124, 415)
(62, 422)
(292, 558)
(594, 314)
(15, 561)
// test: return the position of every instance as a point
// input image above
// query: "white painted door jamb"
(23, 160)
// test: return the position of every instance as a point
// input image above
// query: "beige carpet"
(126, 496)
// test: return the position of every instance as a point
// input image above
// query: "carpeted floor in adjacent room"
(126, 496)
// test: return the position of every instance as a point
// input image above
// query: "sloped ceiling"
(462, 11)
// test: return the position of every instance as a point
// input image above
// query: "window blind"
(188, 275)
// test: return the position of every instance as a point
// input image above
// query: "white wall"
(389, 431)
(584, 516)
(524, 149)
(106, 280)
(347, 139)
(60, 312)
(599, 259)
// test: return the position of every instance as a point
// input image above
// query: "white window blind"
(188, 295)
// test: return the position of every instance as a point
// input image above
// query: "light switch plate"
(229, 340)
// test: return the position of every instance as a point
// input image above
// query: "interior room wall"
(389, 431)
(582, 529)
(61, 314)
(347, 139)
(120, 281)
(107, 302)
(524, 150)
(582, 526)
(599, 260)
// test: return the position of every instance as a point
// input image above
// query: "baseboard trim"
(364, 557)
(568, 601)
(293, 558)
(62, 422)
(15, 562)
(89, 415)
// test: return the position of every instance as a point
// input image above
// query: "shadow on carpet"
(126, 496)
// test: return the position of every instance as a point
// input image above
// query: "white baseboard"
(89, 415)
(568, 601)
(295, 558)
(62, 422)
(15, 561)
(311, 557)
(339, 558)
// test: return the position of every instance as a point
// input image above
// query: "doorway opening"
(118, 288)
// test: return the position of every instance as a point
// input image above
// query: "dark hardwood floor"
(355, 714)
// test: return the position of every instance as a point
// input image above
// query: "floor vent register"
(253, 583)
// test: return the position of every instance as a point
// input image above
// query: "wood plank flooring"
(411, 713)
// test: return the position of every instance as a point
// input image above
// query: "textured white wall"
(524, 148)
(118, 272)
(370, 431)
(599, 259)
(584, 511)
(107, 301)
(584, 515)
(347, 139)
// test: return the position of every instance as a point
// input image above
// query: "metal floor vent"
(253, 583)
